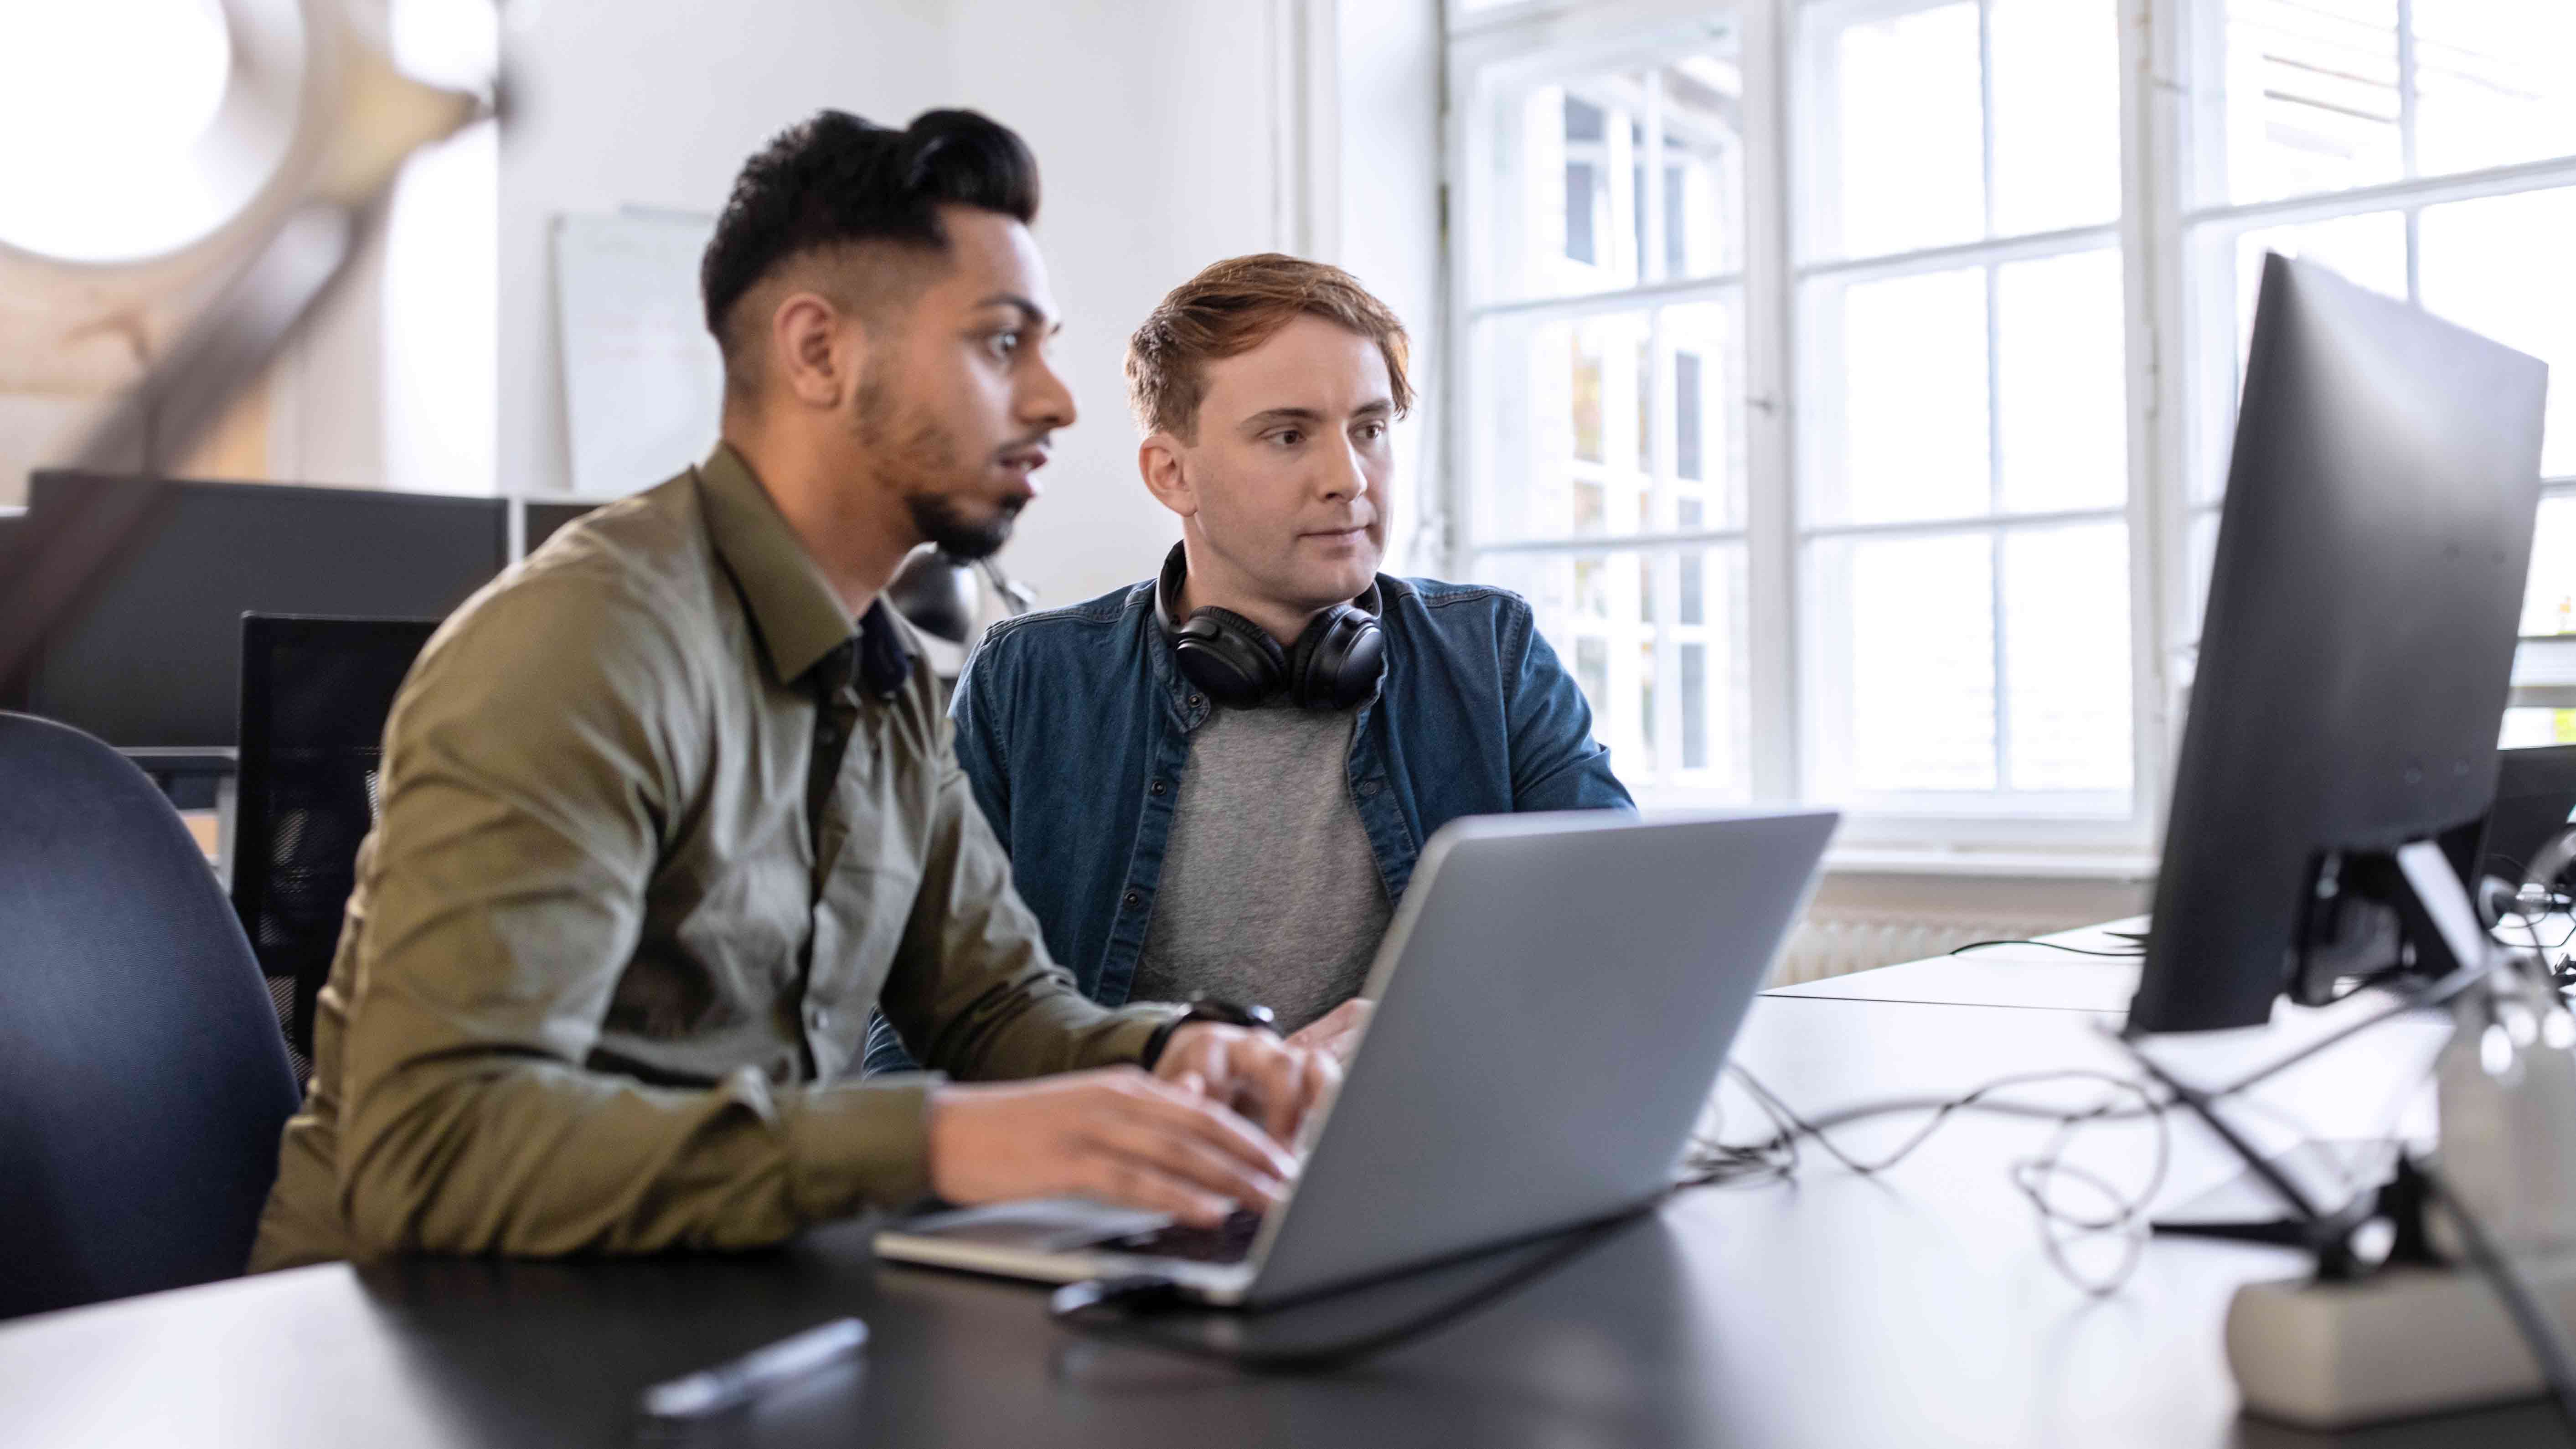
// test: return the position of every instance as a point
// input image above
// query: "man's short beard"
(917, 459)
(935, 516)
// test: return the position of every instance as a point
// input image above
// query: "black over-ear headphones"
(1335, 664)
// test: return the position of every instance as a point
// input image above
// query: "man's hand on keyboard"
(1273, 1082)
(1115, 1135)
(1337, 1031)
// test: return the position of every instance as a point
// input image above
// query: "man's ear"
(1159, 462)
(816, 349)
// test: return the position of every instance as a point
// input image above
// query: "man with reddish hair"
(1214, 784)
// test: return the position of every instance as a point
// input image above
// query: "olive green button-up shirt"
(607, 972)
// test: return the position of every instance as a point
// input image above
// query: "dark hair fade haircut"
(834, 179)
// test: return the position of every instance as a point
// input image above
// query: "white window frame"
(2196, 408)
(1497, 44)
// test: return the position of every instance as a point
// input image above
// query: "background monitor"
(2356, 649)
(2535, 798)
(546, 518)
(148, 651)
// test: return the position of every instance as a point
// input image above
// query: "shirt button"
(818, 1019)
(1195, 701)
(1368, 787)
(1158, 787)
(1132, 899)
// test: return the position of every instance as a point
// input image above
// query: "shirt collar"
(798, 617)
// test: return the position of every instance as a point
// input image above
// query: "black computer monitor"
(2535, 799)
(2355, 653)
(545, 518)
(147, 650)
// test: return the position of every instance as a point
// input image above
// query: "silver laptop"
(1555, 998)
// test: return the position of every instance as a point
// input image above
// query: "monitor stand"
(2244, 1209)
(2439, 920)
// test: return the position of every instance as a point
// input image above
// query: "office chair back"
(315, 693)
(142, 1080)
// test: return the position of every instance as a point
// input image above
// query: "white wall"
(656, 103)
(1158, 126)
(1152, 121)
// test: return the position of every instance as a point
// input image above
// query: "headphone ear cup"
(1229, 656)
(1338, 659)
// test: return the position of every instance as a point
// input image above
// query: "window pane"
(1559, 445)
(2501, 266)
(1903, 668)
(1606, 179)
(1901, 134)
(1576, 417)
(1670, 702)
(2530, 728)
(2550, 605)
(1694, 685)
(2309, 97)
(2311, 100)
(1703, 163)
(2063, 412)
(2057, 114)
(1899, 417)
(2495, 82)
(1704, 472)
(2066, 658)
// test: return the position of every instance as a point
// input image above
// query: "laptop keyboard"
(1228, 1242)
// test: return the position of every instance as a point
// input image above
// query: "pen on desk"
(714, 1390)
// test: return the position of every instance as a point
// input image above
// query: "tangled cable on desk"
(1776, 1159)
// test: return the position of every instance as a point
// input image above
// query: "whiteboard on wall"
(642, 381)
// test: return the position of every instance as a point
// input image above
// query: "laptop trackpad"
(1043, 1225)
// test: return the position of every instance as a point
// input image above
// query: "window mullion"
(2406, 116)
(1986, 110)
(2157, 145)
(1995, 502)
(1772, 558)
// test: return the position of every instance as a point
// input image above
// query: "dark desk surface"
(1911, 1309)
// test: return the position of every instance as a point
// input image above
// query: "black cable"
(2051, 945)
(1776, 1158)
(2539, 1329)
(1074, 1307)
(2030, 1177)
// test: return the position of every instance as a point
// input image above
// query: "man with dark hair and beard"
(669, 809)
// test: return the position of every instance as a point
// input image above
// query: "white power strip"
(2403, 1342)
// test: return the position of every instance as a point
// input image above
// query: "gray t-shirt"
(1269, 891)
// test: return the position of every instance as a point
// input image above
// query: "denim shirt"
(1074, 726)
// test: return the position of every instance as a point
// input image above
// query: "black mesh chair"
(142, 1081)
(315, 693)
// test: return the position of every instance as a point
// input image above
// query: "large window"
(1610, 373)
(1847, 383)
(2425, 148)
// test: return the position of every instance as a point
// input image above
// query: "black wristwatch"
(1205, 1008)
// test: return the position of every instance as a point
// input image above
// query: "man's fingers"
(1283, 1091)
(1127, 1182)
(1187, 1159)
(1323, 1078)
(1208, 1120)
